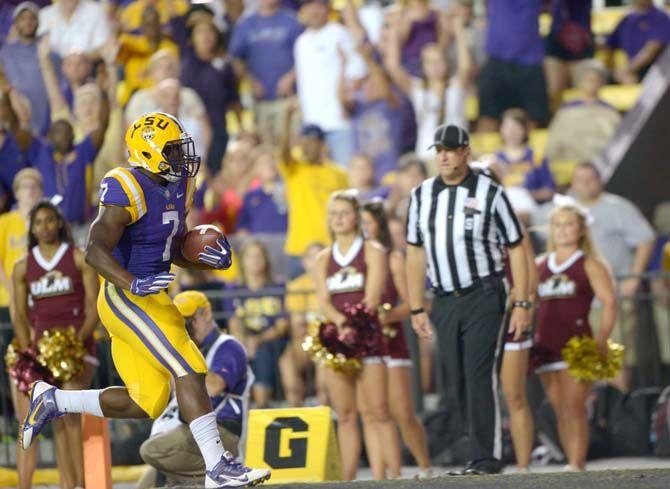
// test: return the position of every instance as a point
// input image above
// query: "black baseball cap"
(314, 131)
(450, 136)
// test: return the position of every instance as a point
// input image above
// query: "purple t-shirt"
(229, 360)
(513, 31)
(263, 213)
(70, 178)
(378, 133)
(12, 160)
(265, 44)
(215, 82)
(22, 69)
(538, 176)
(578, 11)
(636, 29)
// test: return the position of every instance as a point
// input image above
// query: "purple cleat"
(42, 410)
(230, 473)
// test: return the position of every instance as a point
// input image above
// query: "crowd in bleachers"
(288, 101)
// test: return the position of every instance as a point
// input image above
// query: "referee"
(457, 226)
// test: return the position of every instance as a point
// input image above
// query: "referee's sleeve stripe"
(506, 219)
(413, 231)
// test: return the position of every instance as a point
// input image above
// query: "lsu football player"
(132, 244)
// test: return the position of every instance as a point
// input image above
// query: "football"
(197, 238)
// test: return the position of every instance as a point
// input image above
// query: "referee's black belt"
(477, 284)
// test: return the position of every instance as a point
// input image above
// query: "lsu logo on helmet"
(158, 143)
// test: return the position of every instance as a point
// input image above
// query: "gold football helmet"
(158, 142)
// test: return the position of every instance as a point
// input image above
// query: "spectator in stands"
(642, 34)
(437, 95)
(309, 183)
(206, 69)
(570, 41)
(77, 69)
(376, 115)
(135, 50)
(625, 239)
(14, 236)
(162, 65)
(261, 324)
(362, 178)
(582, 127)
(171, 450)
(517, 164)
(262, 45)
(303, 308)
(21, 67)
(318, 65)
(512, 75)
(412, 171)
(13, 143)
(169, 97)
(88, 110)
(131, 15)
(264, 207)
(7, 33)
(475, 36)
(224, 194)
(75, 25)
(66, 164)
(417, 24)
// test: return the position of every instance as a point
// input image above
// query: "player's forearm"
(106, 265)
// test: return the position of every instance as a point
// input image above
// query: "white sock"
(87, 401)
(206, 434)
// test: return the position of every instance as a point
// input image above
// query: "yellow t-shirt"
(131, 15)
(134, 54)
(300, 295)
(308, 188)
(13, 245)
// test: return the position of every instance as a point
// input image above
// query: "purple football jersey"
(148, 245)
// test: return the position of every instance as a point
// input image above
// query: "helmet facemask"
(180, 158)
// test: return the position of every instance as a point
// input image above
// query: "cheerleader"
(570, 275)
(514, 372)
(352, 271)
(63, 290)
(398, 362)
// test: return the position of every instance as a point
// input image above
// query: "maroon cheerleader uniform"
(565, 297)
(346, 277)
(397, 353)
(56, 292)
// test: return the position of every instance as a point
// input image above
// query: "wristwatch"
(523, 304)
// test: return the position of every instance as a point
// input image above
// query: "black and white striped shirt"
(463, 229)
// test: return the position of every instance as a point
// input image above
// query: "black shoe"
(481, 467)
(484, 467)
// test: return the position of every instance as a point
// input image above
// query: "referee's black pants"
(469, 338)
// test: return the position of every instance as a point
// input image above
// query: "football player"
(132, 244)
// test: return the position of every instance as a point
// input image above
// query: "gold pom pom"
(12, 354)
(585, 362)
(320, 354)
(61, 351)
